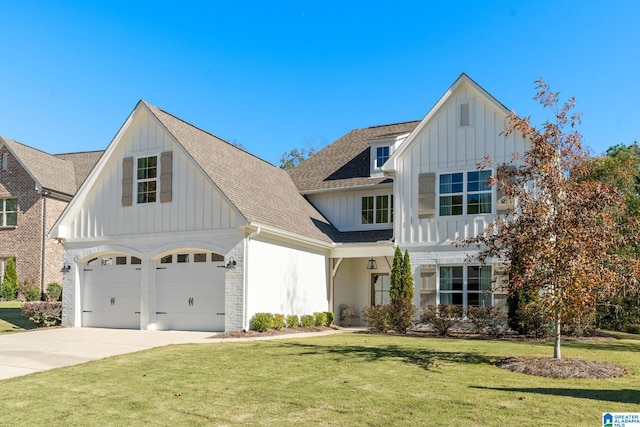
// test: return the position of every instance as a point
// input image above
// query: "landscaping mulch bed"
(273, 332)
(561, 368)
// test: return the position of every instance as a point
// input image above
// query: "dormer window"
(382, 155)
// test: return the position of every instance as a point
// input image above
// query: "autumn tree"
(558, 243)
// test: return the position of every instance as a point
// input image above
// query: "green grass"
(341, 380)
(11, 318)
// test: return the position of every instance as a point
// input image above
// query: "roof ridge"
(207, 132)
(78, 152)
(391, 124)
(29, 147)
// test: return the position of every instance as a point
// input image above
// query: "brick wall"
(25, 240)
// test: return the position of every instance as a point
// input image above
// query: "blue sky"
(273, 76)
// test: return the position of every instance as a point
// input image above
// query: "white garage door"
(111, 293)
(190, 292)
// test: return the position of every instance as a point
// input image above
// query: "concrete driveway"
(27, 352)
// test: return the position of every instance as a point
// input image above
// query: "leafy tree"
(10, 284)
(560, 242)
(401, 292)
(620, 167)
(294, 157)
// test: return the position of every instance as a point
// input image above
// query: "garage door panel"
(111, 297)
(190, 296)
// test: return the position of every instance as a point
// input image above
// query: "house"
(415, 185)
(177, 229)
(35, 187)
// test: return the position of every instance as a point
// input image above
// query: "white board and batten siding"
(285, 280)
(344, 208)
(196, 205)
(443, 146)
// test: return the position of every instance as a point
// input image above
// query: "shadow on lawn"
(14, 317)
(608, 345)
(618, 396)
(425, 359)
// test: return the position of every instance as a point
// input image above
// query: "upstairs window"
(382, 155)
(147, 179)
(377, 209)
(5, 161)
(8, 212)
(465, 193)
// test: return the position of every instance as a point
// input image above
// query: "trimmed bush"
(320, 318)
(401, 314)
(10, 285)
(32, 294)
(278, 321)
(54, 291)
(43, 313)
(329, 315)
(487, 320)
(293, 321)
(378, 317)
(442, 317)
(262, 321)
(307, 320)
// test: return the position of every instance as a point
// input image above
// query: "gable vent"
(464, 114)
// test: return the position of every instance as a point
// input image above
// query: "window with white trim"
(465, 193)
(8, 212)
(147, 179)
(382, 155)
(466, 286)
(377, 209)
(5, 161)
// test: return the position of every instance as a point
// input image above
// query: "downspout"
(245, 268)
(44, 237)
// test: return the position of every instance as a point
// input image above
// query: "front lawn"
(341, 380)
(11, 318)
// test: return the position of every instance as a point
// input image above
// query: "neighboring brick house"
(35, 187)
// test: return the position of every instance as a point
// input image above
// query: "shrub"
(43, 313)
(293, 321)
(532, 321)
(32, 294)
(401, 313)
(633, 329)
(378, 317)
(618, 312)
(487, 320)
(9, 288)
(262, 321)
(329, 315)
(320, 318)
(442, 317)
(278, 321)
(54, 291)
(307, 320)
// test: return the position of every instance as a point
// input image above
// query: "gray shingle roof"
(345, 163)
(83, 163)
(264, 195)
(50, 172)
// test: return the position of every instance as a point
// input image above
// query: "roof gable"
(463, 79)
(264, 194)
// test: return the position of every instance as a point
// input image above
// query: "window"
(166, 259)
(465, 114)
(200, 257)
(380, 285)
(8, 212)
(382, 155)
(147, 179)
(466, 286)
(454, 200)
(182, 258)
(121, 260)
(5, 161)
(377, 209)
